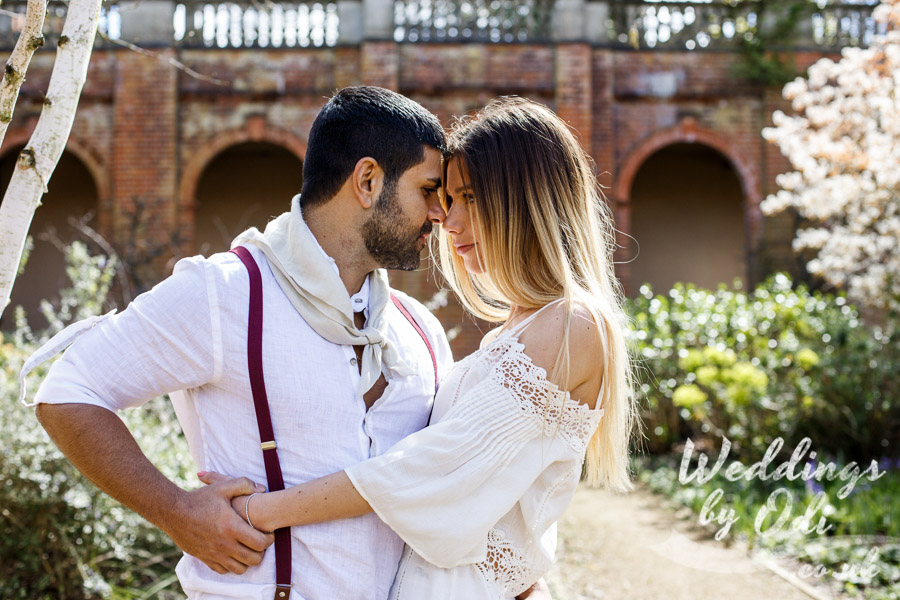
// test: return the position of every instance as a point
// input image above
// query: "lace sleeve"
(442, 489)
(536, 395)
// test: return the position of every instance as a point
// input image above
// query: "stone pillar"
(378, 20)
(350, 38)
(596, 27)
(380, 60)
(568, 20)
(148, 23)
(350, 22)
(573, 68)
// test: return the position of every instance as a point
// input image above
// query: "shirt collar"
(359, 300)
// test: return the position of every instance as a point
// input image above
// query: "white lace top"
(476, 495)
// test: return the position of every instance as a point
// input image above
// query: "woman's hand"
(324, 499)
(238, 503)
(539, 591)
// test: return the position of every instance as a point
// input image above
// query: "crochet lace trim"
(536, 395)
(505, 565)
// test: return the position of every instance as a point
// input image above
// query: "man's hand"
(202, 522)
(207, 527)
(238, 503)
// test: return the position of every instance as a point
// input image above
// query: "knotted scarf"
(315, 289)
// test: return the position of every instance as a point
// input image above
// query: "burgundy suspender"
(264, 419)
(421, 333)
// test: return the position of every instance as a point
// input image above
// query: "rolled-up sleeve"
(443, 488)
(162, 342)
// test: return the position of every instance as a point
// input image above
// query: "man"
(347, 375)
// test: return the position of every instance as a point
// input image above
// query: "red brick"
(146, 130)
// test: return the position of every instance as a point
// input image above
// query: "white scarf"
(315, 289)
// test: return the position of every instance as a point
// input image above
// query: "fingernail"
(201, 473)
(260, 487)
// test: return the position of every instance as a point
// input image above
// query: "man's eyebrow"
(436, 181)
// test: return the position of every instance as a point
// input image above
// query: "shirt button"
(353, 361)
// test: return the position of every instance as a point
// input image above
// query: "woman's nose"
(452, 222)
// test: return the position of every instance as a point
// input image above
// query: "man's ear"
(367, 180)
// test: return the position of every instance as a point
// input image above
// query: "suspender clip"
(268, 445)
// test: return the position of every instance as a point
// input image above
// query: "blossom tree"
(843, 141)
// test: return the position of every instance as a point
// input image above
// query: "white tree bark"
(40, 157)
(29, 40)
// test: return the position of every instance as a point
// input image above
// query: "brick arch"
(254, 130)
(690, 132)
(80, 150)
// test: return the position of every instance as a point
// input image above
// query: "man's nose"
(436, 212)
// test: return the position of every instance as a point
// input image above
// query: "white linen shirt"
(190, 333)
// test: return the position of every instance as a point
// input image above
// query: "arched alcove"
(71, 192)
(688, 219)
(243, 186)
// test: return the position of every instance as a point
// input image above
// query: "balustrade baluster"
(628, 23)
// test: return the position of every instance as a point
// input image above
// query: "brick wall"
(148, 130)
(143, 160)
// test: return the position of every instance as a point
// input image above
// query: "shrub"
(774, 362)
(61, 537)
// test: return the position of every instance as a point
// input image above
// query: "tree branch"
(29, 40)
(81, 225)
(39, 158)
(165, 59)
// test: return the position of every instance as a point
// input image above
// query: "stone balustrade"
(638, 24)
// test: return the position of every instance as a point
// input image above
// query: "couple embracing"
(294, 368)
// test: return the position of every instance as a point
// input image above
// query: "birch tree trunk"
(29, 40)
(40, 157)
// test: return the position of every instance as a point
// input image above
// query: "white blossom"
(843, 142)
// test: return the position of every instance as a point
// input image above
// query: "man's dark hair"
(365, 121)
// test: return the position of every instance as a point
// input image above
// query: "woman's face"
(460, 223)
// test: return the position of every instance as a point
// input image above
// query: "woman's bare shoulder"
(543, 341)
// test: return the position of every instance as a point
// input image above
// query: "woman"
(527, 241)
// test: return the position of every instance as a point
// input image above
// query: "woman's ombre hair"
(545, 232)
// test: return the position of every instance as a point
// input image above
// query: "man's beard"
(388, 242)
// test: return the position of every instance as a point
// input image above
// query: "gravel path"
(623, 548)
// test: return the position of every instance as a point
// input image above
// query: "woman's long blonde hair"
(546, 233)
